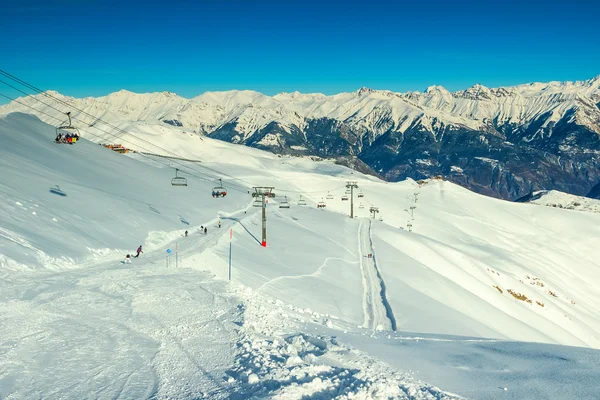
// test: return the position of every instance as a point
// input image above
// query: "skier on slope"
(139, 250)
(127, 259)
(205, 230)
(219, 224)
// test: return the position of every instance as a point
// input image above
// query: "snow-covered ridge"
(556, 199)
(250, 111)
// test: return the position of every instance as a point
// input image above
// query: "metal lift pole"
(352, 202)
(351, 185)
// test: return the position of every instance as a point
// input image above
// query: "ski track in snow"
(312, 275)
(377, 315)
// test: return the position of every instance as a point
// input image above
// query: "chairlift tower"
(262, 192)
(374, 210)
(351, 185)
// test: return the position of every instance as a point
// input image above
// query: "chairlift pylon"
(219, 191)
(178, 180)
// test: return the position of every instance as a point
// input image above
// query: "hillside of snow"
(553, 198)
(463, 293)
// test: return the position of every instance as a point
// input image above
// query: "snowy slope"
(309, 315)
(553, 198)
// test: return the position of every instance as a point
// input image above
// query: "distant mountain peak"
(365, 91)
(437, 89)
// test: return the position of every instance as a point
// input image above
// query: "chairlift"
(360, 194)
(321, 204)
(178, 180)
(380, 218)
(67, 130)
(329, 196)
(284, 203)
(301, 201)
(344, 198)
(219, 191)
(257, 202)
(361, 205)
(348, 191)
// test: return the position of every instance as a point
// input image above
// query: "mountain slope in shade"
(595, 192)
(505, 142)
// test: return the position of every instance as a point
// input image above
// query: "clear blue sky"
(93, 47)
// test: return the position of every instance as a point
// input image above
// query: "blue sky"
(94, 47)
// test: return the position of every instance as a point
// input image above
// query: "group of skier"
(128, 257)
(67, 138)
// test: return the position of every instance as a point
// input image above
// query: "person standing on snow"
(186, 233)
(219, 224)
(205, 230)
(139, 250)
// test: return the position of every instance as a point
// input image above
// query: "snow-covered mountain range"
(504, 142)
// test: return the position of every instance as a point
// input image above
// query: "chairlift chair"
(321, 204)
(257, 202)
(301, 201)
(178, 180)
(361, 205)
(219, 191)
(344, 198)
(329, 196)
(65, 130)
(284, 203)
(360, 194)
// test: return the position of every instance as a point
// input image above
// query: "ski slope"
(309, 315)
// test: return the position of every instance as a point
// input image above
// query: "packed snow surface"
(463, 295)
